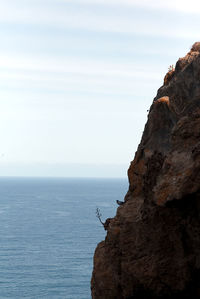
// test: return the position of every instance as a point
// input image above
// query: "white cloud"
(192, 6)
(75, 75)
(88, 19)
(77, 66)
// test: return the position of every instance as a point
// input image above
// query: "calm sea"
(48, 234)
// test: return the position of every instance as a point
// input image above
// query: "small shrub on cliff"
(171, 68)
(98, 215)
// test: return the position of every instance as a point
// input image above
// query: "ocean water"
(48, 234)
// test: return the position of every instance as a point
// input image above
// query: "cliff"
(152, 247)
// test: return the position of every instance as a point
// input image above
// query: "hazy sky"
(77, 78)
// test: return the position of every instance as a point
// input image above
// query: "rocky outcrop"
(152, 247)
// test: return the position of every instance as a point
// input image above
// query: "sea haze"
(48, 234)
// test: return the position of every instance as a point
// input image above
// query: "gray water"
(48, 234)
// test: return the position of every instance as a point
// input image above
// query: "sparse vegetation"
(171, 68)
(99, 215)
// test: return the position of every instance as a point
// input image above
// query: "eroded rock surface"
(152, 247)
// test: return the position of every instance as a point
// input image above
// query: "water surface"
(48, 234)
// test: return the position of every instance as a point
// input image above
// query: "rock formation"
(152, 247)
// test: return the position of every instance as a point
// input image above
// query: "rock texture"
(152, 247)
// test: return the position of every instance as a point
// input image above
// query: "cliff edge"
(152, 247)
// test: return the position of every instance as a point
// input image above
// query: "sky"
(77, 78)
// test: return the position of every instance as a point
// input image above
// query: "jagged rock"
(119, 202)
(152, 247)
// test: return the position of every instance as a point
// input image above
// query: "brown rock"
(168, 77)
(152, 247)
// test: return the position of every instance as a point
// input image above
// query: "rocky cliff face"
(152, 247)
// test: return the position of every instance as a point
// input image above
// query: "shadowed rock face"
(152, 247)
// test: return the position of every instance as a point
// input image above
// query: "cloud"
(75, 75)
(192, 6)
(77, 66)
(106, 20)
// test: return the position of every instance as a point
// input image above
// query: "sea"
(49, 232)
